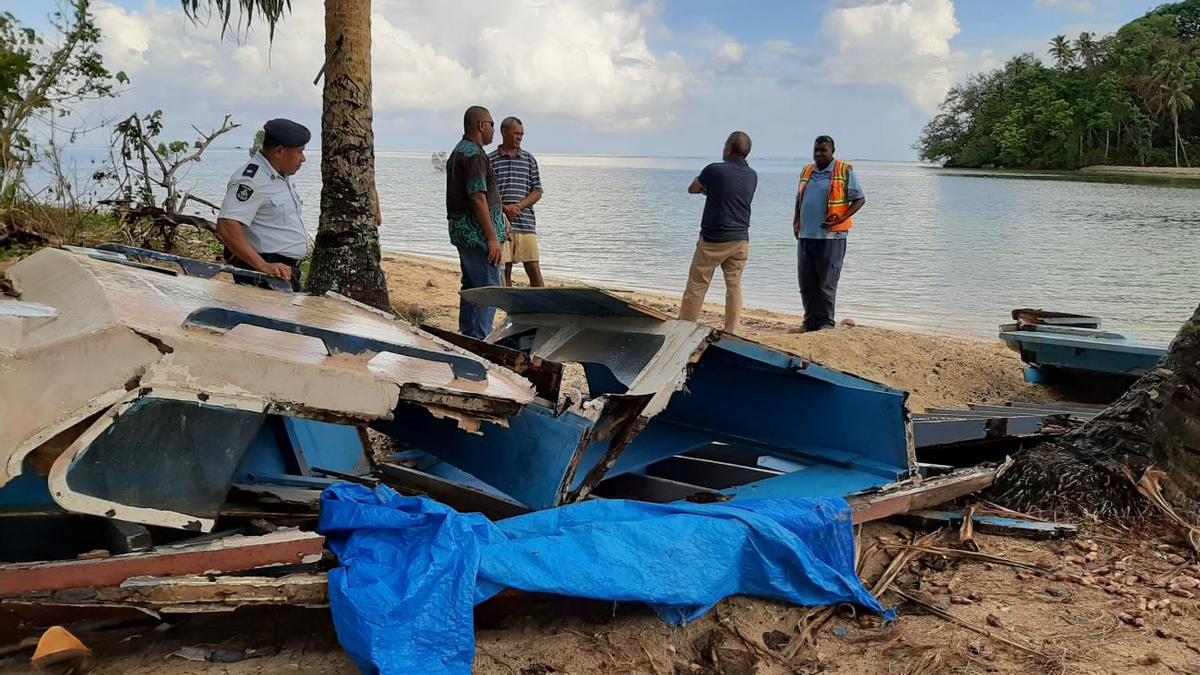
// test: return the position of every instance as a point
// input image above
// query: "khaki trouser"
(731, 257)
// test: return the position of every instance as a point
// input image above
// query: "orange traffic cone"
(61, 653)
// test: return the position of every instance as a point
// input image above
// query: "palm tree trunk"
(1175, 123)
(1155, 423)
(346, 258)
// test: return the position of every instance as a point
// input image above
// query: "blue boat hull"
(1083, 351)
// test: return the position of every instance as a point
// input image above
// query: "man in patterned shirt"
(477, 226)
(520, 188)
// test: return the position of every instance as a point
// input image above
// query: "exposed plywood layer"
(304, 589)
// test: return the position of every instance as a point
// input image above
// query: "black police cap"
(287, 133)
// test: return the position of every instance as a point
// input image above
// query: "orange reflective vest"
(839, 202)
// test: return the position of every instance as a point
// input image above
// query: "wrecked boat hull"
(199, 372)
(93, 376)
(660, 394)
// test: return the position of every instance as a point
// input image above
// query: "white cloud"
(1081, 6)
(589, 61)
(902, 43)
(173, 64)
(730, 52)
(780, 47)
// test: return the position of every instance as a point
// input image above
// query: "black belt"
(277, 258)
(273, 258)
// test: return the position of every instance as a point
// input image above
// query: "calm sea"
(933, 250)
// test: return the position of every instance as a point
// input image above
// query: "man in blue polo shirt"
(729, 188)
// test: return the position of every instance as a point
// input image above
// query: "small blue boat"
(1058, 346)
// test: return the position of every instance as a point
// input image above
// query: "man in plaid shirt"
(520, 188)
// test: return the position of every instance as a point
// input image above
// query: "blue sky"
(663, 77)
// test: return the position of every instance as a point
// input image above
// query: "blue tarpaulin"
(412, 569)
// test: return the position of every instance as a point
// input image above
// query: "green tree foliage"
(1126, 98)
(39, 82)
(1062, 51)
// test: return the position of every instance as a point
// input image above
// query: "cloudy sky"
(614, 77)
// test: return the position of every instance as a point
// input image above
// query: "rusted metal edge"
(930, 492)
(232, 554)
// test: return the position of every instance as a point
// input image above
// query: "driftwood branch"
(162, 164)
(189, 197)
(202, 145)
(168, 169)
(148, 176)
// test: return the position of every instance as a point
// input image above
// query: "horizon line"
(551, 154)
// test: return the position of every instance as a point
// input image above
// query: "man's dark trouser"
(473, 320)
(268, 257)
(819, 265)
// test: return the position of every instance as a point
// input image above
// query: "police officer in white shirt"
(260, 221)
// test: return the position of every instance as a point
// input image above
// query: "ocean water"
(933, 250)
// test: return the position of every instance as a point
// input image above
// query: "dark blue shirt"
(730, 188)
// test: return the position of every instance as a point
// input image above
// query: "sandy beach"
(938, 371)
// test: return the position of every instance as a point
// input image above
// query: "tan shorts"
(522, 248)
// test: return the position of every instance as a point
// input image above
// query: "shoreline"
(1093, 171)
(672, 297)
(1188, 172)
(938, 371)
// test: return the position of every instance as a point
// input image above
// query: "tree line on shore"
(1126, 98)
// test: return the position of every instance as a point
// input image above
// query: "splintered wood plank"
(923, 495)
(231, 554)
(303, 589)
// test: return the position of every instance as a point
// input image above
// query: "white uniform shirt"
(267, 204)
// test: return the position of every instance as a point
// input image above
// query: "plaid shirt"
(517, 177)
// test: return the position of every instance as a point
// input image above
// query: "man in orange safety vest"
(826, 200)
